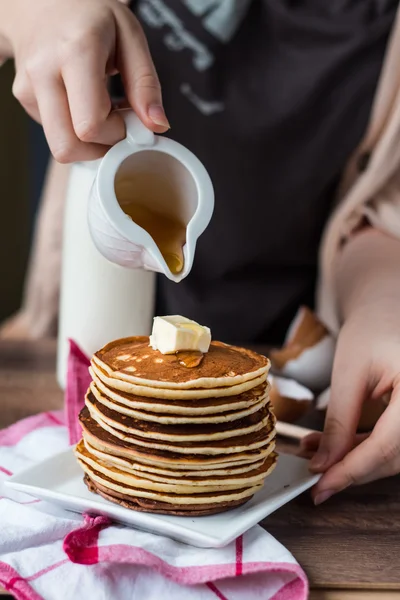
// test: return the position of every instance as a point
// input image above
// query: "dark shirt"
(272, 97)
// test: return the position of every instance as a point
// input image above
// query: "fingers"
(138, 74)
(376, 457)
(57, 124)
(310, 444)
(311, 441)
(348, 390)
(23, 92)
(88, 97)
(64, 86)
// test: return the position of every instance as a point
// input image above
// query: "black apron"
(272, 96)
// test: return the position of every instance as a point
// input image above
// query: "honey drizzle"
(168, 233)
(189, 358)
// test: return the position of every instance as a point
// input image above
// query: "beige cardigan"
(370, 188)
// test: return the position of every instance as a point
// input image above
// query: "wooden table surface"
(350, 543)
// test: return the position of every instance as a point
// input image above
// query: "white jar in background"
(100, 301)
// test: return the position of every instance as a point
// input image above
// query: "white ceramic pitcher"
(183, 191)
(101, 299)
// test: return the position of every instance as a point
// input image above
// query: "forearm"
(368, 274)
(38, 315)
(40, 302)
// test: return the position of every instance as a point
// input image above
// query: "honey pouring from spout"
(168, 232)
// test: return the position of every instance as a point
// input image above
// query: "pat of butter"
(175, 333)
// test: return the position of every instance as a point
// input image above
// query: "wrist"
(368, 275)
(377, 319)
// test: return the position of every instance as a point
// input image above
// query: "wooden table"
(349, 547)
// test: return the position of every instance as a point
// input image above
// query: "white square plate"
(60, 480)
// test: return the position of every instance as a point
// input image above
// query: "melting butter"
(173, 334)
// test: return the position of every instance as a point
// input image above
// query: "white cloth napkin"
(47, 553)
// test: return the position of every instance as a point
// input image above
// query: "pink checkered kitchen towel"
(51, 554)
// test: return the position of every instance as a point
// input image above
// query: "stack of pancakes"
(179, 434)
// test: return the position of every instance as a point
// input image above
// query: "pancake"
(175, 394)
(160, 473)
(109, 399)
(132, 360)
(199, 485)
(187, 485)
(172, 435)
(102, 440)
(180, 406)
(240, 443)
(161, 508)
(201, 500)
(177, 433)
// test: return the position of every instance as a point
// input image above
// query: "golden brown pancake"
(173, 419)
(203, 498)
(186, 485)
(218, 410)
(160, 508)
(103, 440)
(133, 360)
(177, 501)
(176, 433)
(236, 444)
(176, 393)
(160, 472)
(185, 463)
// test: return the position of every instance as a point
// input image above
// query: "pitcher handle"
(136, 132)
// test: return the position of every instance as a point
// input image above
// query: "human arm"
(38, 315)
(367, 364)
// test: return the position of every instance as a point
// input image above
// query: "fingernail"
(323, 496)
(319, 460)
(157, 115)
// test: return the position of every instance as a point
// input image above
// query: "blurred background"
(23, 160)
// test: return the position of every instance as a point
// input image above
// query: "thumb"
(138, 73)
(348, 390)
